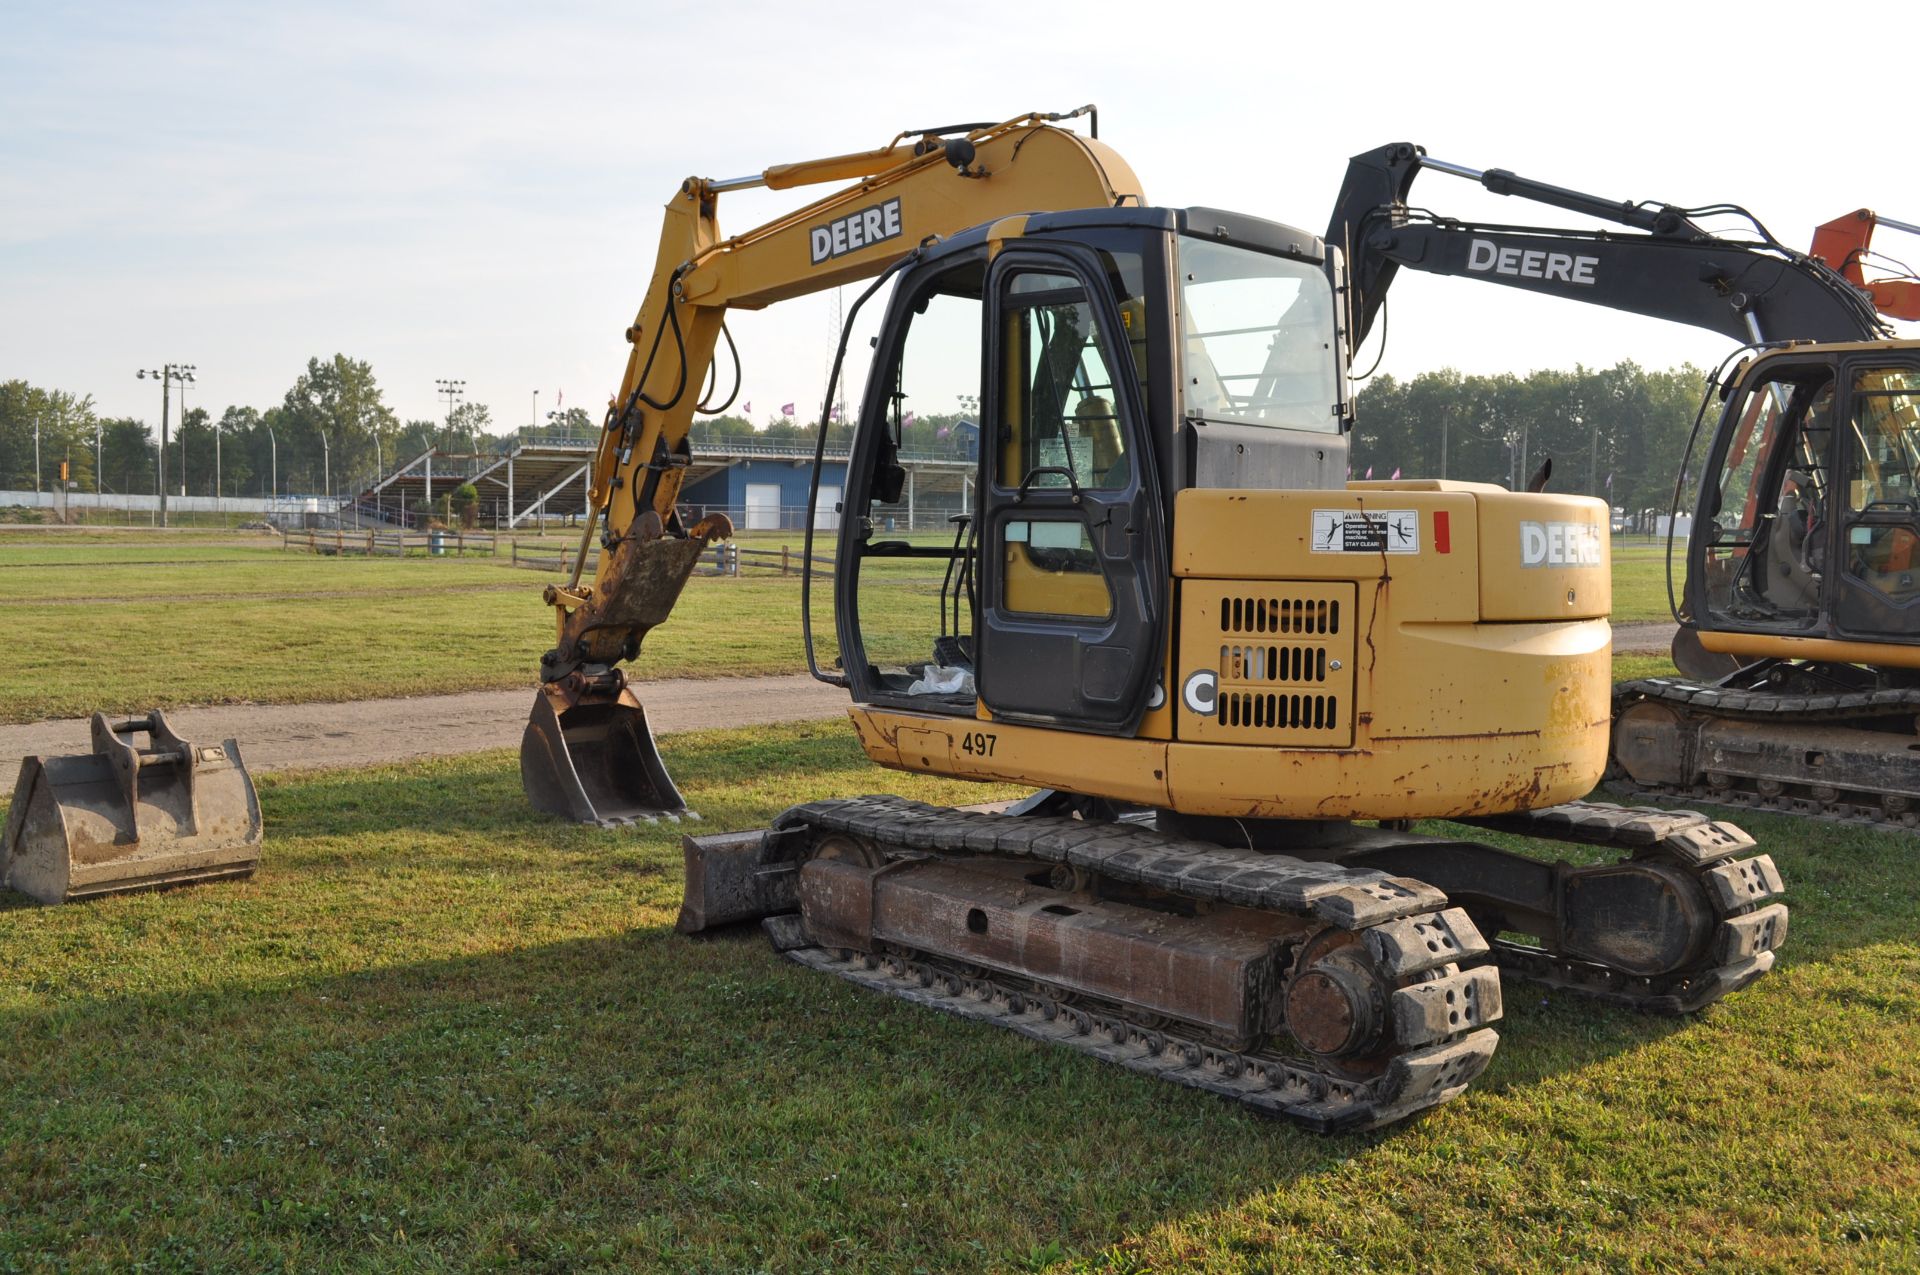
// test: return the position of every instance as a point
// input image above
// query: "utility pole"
(273, 463)
(533, 421)
(168, 376)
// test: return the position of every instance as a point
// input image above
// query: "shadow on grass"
(635, 1098)
(693, 1102)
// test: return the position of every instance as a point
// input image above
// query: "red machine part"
(1843, 244)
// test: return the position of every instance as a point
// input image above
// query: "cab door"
(1878, 502)
(1073, 561)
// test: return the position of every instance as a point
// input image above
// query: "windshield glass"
(1257, 338)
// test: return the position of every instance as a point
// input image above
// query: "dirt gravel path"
(368, 732)
(1643, 639)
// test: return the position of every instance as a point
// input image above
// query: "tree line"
(1618, 433)
(331, 430)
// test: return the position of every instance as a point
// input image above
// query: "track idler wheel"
(1336, 1003)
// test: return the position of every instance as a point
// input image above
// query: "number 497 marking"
(978, 743)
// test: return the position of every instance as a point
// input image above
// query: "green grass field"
(440, 1032)
(120, 623)
(124, 621)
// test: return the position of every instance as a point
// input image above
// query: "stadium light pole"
(453, 390)
(168, 376)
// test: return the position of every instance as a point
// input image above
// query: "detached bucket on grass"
(127, 818)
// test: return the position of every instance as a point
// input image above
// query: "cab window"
(1062, 423)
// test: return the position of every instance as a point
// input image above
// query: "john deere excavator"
(1799, 616)
(1167, 611)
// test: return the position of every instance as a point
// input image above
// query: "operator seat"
(1793, 581)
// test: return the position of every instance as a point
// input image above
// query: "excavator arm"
(1664, 265)
(588, 753)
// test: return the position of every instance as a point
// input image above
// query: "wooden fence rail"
(728, 559)
(394, 544)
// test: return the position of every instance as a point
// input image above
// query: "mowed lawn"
(122, 622)
(438, 1031)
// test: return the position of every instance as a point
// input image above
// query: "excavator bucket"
(128, 818)
(594, 761)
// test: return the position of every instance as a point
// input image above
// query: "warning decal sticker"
(1366, 531)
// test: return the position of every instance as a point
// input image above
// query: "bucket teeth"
(129, 818)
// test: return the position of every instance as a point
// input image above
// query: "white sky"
(472, 190)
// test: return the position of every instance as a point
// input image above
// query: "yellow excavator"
(1234, 677)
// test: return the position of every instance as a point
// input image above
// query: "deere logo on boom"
(855, 231)
(1530, 263)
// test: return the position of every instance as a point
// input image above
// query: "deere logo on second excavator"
(1530, 263)
(855, 231)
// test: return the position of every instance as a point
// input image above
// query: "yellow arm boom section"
(907, 194)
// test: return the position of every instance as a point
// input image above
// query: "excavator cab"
(1811, 528)
(1055, 594)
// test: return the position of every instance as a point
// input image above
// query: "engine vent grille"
(1281, 666)
(1280, 615)
(1292, 712)
(1273, 663)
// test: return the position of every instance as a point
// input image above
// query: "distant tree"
(127, 457)
(340, 400)
(464, 503)
(64, 425)
(717, 428)
(574, 422)
(415, 436)
(467, 429)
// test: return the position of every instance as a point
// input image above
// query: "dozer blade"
(126, 818)
(595, 762)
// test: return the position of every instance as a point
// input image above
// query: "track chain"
(1438, 1014)
(1829, 803)
(1748, 929)
(1768, 705)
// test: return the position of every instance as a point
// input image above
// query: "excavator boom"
(1664, 265)
(588, 753)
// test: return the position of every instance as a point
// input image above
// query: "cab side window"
(1883, 482)
(1765, 554)
(1062, 424)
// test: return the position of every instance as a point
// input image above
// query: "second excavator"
(1166, 610)
(1799, 638)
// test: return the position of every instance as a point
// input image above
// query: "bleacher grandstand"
(761, 484)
